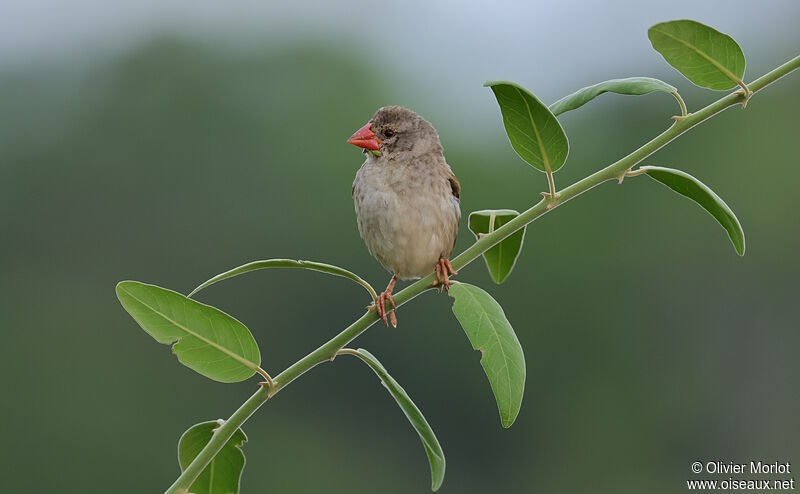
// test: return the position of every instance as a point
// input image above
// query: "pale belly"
(407, 235)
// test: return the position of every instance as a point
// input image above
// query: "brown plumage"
(406, 198)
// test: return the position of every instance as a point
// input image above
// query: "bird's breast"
(409, 222)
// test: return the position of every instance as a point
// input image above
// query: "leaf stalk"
(268, 379)
(551, 183)
(680, 103)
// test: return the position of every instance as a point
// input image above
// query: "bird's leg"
(443, 272)
(380, 303)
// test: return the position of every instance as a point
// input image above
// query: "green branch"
(329, 350)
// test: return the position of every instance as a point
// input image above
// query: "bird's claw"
(443, 272)
(380, 304)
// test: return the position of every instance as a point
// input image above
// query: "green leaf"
(287, 263)
(705, 56)
(534, 132)
(501, 354)
(429, 441)
(686, 185)
(501, 258)
(205, 339)
(632, 86)
(223, 474)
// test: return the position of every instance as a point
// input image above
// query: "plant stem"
(328, 350)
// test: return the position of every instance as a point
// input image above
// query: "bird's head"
(396, 132)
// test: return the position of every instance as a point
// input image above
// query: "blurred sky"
(450, 47)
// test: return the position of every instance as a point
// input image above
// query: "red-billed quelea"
(406, 198)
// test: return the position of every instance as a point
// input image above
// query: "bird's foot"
(443, 272)
(380, 304)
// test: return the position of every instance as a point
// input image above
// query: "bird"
(407, 200)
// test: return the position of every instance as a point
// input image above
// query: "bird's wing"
(455, 186)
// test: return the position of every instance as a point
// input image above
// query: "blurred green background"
(169, 144)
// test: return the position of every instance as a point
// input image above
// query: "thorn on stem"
(552, 200)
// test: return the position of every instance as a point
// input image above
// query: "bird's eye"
(388, 133)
